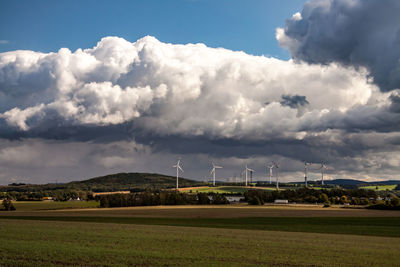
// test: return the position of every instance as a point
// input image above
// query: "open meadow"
(379, 187)
(237, 235)
(224, 189)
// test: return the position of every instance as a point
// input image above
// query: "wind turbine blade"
(180, 168)
(218, 167)
(212, 171)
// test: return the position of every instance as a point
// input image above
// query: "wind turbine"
(323, 168)
(213, 171)
(270, 171)
(245, 171)
(276, 165)
(306, 164)
(178, 167)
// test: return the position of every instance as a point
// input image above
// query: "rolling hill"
(129, 181)
(112, 182)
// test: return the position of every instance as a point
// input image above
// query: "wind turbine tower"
(178, 168)
(270, 171)
(323, 168)
(213, 171)
(306, 165)
(247, 169)
(276, 166)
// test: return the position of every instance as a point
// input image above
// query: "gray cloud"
(38, 160)
(359, 33)
(294, 101)
(395, 105)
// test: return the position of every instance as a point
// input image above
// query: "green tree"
(395, 202)
(344, 199)
(8, 205)
(323, 198)
(202, 199)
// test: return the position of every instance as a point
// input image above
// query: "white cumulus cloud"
(189, 90)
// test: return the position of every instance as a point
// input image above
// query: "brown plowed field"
(210, 211)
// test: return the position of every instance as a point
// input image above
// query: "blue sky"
(46, 25)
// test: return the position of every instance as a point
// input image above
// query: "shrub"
(202, 199)
(395, 202)
(255, 201)
(8, 205)
(219, 199)
(327, 204)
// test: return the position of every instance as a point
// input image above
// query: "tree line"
(307, 195)
(160, 198)
(59, 195)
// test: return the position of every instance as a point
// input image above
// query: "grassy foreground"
(40, 243)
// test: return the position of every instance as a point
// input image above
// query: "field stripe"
(372, 226)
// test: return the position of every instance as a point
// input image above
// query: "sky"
(89, 88)
(47, 25)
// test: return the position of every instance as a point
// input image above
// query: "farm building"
(281, 201)
(233, 199)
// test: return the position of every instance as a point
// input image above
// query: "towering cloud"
(358, 33)
(165, 89)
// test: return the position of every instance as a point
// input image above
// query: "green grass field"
(53, 205)
(389, 226)
(223, 189)
(45, 243)
(380, 187)
(193, 236)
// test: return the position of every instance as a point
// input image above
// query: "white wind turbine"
(276, 166)
(323, 168)
(270, 171)
(213, 171)
(178, 167)
(306, 165)
(245, 172)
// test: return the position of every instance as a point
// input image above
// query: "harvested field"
(111, 193)
(211, 211)
(53, 205)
